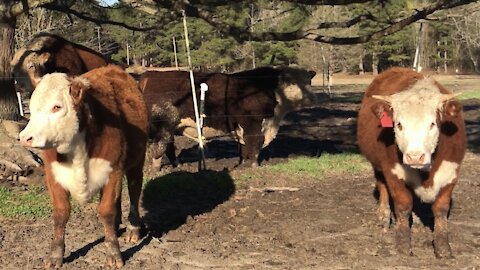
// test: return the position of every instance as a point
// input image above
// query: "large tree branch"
(213, 3)
(19, 7)
(243, 34)
(87, 17)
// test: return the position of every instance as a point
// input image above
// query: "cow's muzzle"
(30, 140)
(416, 160)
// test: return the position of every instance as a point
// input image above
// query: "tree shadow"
(472, 123)
(307, 132)
(170, 199)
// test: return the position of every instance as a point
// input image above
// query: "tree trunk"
(8, 99)
(374, 64)
(361, 71)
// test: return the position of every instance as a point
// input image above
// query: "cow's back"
(172, 87)
(117, 97)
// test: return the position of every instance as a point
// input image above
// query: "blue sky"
(108, 2)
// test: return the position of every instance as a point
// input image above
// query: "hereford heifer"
(420, 150)
(93, 129)
(48, 53)
(249, 105)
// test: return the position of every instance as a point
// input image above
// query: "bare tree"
(467, 24)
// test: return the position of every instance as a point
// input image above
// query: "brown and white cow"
(412, 131)
(48, 53)
(248, 104)
(93, 129)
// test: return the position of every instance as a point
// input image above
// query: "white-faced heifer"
(93, 129)
(412, 131)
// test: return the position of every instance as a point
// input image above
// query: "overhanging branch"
(88, 17)
(243, 34)
(19, 7)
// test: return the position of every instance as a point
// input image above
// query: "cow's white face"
(54, 121)
(416, 124)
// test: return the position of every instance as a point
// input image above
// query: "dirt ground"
(207, 221)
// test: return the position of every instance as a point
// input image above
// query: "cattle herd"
(93, 121)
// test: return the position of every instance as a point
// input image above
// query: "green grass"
(325, 165)
(32, 203)
(470, 94)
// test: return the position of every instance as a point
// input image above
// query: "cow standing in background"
(48, 53)
(249, 105)
(412, 131)
(93, 129)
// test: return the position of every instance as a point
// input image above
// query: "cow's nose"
(412, 158)
(26, 139)
(29, 140)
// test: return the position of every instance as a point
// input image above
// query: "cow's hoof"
(132, 235)
(442, 249)
(53, 263)
(114, 261)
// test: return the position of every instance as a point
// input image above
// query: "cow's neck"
(77, 153)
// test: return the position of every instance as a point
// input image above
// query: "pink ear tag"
(386, 121)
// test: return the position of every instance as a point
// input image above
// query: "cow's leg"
(440, 208)
(383, 211)
(253, 138)
(249, 153)
(134, 179)
(403, 204)
(170, 153)
(108, 211)
(61, 213)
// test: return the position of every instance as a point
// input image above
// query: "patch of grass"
(325, 165)
(355, 98)
(469, 94)
(31, 203)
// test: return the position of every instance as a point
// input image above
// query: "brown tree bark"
(8, 99)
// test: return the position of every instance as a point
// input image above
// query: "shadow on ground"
(308, 132)
(170, 199)
(471, 107)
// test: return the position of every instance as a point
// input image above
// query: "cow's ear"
(378, 108)
(18, 57)
(44, 58)
(78, 87)
(452, 108)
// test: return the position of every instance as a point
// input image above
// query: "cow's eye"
(432, 125)
(399, 126)
(56, 108)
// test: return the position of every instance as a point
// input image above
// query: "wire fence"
(312, 105)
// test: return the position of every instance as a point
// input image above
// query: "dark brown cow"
(420, 150)
(48, 53)
(93, 129)
(248, 104)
